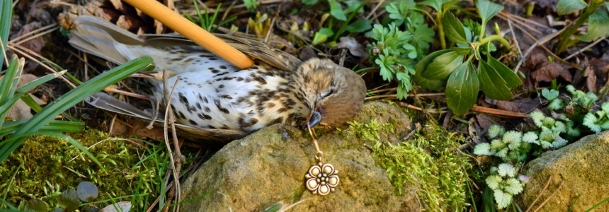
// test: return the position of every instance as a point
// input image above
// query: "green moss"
(45, 166)
(431, 163)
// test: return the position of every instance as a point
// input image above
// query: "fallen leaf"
(355, 48)
(549, 71)
(525, 105)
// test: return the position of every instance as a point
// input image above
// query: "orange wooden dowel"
(193, 32)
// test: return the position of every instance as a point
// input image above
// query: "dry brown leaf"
(524, 105)
(549, 71)
(355, 48)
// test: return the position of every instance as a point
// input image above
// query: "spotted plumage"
(210, 93)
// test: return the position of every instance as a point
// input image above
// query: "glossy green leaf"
(511, 79)
(360, 25)
(422, 66)
(441, 67)
(463, 50)
(462, 89)
(487, 10)
(492, 84)
(598, 25)
(453, 28)
(569, 6)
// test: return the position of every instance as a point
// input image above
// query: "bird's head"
(334, 94)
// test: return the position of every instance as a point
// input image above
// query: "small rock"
(581, 168)
(265, 170)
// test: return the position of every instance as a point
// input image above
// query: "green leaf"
(549, 94)
(322, 35)
(360, 25)
(511, 79)
(6, 14)
(336, 10)
(309, 2)
(453, 28)
(487, 10)
(463, 50)
(422, 65)
(598, 25)
(569, 6)
(435, 4)
(462, 89)
(492, 84)
(443, 65)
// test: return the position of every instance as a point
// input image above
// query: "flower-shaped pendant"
(321, 179)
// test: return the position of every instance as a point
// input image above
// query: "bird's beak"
(315, 117)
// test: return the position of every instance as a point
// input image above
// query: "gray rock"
(268, 168)
(581, 168)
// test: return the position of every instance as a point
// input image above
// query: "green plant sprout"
(598, 121)
(396, 51)
(505, 183)
(206, 21)
(509, 146)
(595, 13)
(454, 70)
(338, 13)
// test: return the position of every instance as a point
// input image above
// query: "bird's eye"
(327, 93)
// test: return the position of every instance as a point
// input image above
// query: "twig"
(540, 193)
(585, 48)
(550, 197)
(175, 165)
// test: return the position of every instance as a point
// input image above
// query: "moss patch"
(45, 166)
(430, 163)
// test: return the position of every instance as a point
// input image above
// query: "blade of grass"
(73, 97)
(6, 13)
(53, 126)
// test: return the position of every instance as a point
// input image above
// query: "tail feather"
(98, 37)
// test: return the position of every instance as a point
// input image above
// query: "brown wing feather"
(252, 48)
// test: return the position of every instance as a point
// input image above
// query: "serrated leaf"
(453, 28)
(598, 25)
(569, 6)
(487, 10)
(462, 89)
(443, 65)
(511, 79)
(360, 25)
(492, 84)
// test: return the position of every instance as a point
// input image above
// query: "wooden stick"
(193, 32)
